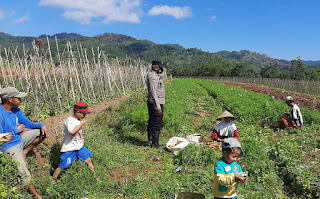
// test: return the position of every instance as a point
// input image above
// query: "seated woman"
(226, 128)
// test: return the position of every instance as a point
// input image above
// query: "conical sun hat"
(226, 114)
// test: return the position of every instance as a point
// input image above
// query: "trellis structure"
(55, 84)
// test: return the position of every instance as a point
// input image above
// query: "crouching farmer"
(226, 128)
(73, 144)
(294, 119)
(12, 120)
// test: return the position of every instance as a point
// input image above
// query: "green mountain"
(312, 64)
(256, 59)
(174, 55)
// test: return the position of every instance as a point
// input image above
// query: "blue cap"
(230, 143)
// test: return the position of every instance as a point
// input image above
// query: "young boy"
(227, 173)
(72, 147)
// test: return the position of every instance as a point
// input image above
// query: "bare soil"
(300, 99)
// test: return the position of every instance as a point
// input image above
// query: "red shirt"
(216, 137)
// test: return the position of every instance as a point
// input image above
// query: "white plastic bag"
(196, 138)
(176, 143)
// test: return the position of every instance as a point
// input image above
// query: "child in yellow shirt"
(227, 173)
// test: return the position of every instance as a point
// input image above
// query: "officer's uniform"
(156, 100)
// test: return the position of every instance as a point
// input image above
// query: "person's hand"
(6, 138)
(286, 114)
(21, 127)
(159, 110)
(241, 180)
(245, 181)
(44, 131)
(83, 122)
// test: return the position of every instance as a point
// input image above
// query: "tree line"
(298, 71)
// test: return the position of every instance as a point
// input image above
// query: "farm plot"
(280, 164)
(292, 152)
(308, 102)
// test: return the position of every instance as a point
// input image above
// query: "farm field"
(305, 101)
(281, 164)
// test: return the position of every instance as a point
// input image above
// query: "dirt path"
(55, 123)
(302, 100)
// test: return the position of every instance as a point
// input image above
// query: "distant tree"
(299, 70)
(243, 70)
(285, 74)
(271, 71)
(314, 74)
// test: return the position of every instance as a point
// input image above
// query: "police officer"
(155, 102)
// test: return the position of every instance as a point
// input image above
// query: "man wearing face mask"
(155, 103)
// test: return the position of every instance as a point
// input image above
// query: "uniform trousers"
(155, 121)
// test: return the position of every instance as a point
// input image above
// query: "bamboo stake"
(54, 75)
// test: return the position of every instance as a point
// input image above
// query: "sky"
(282, 29)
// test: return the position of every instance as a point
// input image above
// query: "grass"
(125, 167)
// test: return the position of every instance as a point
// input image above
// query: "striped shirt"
(296, 114)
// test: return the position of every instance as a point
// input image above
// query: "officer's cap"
(159, 64)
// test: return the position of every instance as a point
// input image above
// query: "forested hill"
(253, 58)
(174, 55)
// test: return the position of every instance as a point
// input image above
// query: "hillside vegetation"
(280, 164)
(180, 61)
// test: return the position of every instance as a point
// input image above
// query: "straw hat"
(226, 114)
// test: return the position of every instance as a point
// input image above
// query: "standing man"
(12, 120)
(155, 102)
(294, 119)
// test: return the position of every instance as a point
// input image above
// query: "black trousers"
(155, 121)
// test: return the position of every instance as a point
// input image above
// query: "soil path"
(300, 99)
(55, 123)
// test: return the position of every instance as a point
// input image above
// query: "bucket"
(189, 195)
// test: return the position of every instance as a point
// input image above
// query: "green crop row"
(125, 167)
(297, 165)
(281, 151)
(251, 107)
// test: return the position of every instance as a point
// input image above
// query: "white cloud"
(213, 18)
(26, 17)
(176, 12)
(1, 14)
(83, 11)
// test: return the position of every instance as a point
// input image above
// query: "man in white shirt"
(294, 119)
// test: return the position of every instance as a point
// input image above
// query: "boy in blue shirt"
(14, 122)
(227, 173)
